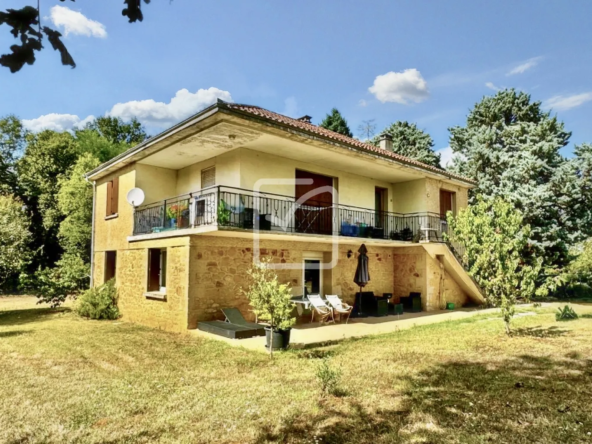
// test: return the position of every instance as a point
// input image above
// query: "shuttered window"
(112, 197)
(208, 177)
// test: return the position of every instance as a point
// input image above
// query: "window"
(112, 197)
(110, 265)
(157, 265)
(208, 177)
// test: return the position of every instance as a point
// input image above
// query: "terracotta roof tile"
(299, 124)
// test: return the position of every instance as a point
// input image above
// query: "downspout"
(92, 233)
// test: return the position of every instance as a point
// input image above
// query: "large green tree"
(495, 236)
(412, 142)
(334, 121)
(116, 131)
(14, 237)
(12, 142)
(510, 146)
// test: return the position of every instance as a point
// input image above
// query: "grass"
(65, 379)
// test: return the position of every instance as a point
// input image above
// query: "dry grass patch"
(65, 379)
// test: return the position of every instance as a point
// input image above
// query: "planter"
(286, 337)
(173, 223)
(276, 338)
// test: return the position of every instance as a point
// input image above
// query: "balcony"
(234, 208)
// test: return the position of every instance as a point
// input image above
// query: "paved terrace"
(315, 334)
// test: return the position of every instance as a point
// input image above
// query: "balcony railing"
(244, 209)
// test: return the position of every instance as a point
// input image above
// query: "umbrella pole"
(360, 304)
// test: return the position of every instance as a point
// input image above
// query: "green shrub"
(328, 378)
(566, 314)
(99, 302)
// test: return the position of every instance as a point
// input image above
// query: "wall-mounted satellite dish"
(135, 197)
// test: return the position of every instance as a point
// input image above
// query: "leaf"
(58, 45)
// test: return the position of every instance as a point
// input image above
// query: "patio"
(316, 334)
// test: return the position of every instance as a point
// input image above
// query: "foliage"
(581, 267)
(99, 302)
(328, 378)
(494, 238)
(566, 314)
(74, 198)
(26, 28)
(224, 212)
(412, 142)
(68, 277)
(116, 131)
(510, 146)
(12, 140)
(334, 121)
(270, 299)
(14, 237)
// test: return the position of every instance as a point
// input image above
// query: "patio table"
(301, 304)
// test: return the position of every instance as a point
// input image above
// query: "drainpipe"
(92, 233)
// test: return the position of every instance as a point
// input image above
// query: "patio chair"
(234, 316)
(339, 306)
(319, 306)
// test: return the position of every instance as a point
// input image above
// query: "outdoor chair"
(234, 316)
(339, 306)
(320, 307)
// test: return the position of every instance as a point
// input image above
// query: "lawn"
(65, 379)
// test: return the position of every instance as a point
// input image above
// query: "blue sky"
(427, 62)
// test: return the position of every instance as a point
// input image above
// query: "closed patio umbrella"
(362, 276)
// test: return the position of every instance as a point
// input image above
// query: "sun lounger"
(228, 330)
(320, 307)
(339, 306)
(234, 316)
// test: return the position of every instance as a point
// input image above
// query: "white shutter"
(208, 177)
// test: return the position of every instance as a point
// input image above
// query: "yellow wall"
(157, 183)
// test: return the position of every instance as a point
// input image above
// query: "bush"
(99, 302)
(328, 378)
(566, 314)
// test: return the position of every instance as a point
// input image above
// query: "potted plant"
(224, 213)
(172, 212)
(271, 301)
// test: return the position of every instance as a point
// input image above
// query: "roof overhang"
(220, 111)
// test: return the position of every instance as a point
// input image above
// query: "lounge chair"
(339, 306)
(319, 306)
(228, 330)
(234, 316)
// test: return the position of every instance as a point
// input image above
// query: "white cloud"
(291, 107)
(490, 85)
(563, 103)
(525, 66)
(160, 114)
(56, 122)
(76, 23)
(362, 103)
(400, 87)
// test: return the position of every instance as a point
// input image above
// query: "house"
(237, 181)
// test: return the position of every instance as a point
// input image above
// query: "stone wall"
(218, 268)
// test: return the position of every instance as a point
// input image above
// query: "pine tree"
(335, 122)
(511, 148)
(412, 142)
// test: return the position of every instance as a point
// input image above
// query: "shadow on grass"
(10, 334)
(540, 332)
(30, 315)
(525, 399)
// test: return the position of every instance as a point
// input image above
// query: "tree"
(412, 142)
(367, 129)
(116, 131)
(511, 148)
(26, 28)
(270, 299)
(334, 121)
(75, 204)
(14, 237)
(494, 237)
(12, 141)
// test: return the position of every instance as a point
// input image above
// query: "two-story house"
(237, 181)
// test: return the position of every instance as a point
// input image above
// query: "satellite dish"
(135, 197)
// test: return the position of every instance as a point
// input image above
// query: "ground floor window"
(312, 276)
(110, 265)
(157, 265)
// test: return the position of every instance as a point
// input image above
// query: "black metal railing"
(245, 209)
